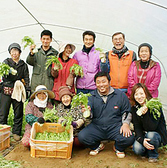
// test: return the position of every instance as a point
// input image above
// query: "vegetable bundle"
(28, 41)
(53, 59)
(77, 70)
(154, 105)
(81, 99)
(50, 136)
(5, 69)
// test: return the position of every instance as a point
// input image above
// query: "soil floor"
(82, 159)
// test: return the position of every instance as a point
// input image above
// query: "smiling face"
(88, 41)
(66, 100)
(118, 41)
(140, 96)
(41, 96)
(144, 53)
(15, 54)
(67, 51)
(103, 85)
(46, 40)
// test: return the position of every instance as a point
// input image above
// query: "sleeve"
(156, 80)
(131, 75)
(26, 75)
(30, 59)
(105, 67)
(30, 119)
(125, 104)
(126, 118)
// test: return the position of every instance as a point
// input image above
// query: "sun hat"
(40, 89)
(14, 45)
(64, 90)
(63, 45)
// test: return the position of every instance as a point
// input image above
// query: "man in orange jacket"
(118, 61)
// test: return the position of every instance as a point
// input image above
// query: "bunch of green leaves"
(77, 70)
(99, 49)
(4, 69)
(9, 163)
(80, 99)
(67, 121)
(28, 41)
(50, 136)
(155, 106)
(53, 59)
(50, 114)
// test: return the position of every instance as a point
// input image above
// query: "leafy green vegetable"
(77, 70)
(28, 41)
(50, 136)
(5, 69)
(99, 49)
(81, 99)
(9, 163)
(53, 59)
(154, 105)
(50, 114)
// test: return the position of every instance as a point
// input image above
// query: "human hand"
(102, 57)
(56, 67)
(125, 129)
(32, 47)
(144, 109)
(148, 145)
(83, 108)
(79, 123)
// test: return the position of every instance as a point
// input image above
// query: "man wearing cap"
(19, 74)
(89, 59)
(118, 61)
(63, 77)
(35, 108)
(40, 74)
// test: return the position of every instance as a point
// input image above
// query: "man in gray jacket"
(41, 75)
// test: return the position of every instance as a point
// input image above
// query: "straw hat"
(63, 45)
(40, 89)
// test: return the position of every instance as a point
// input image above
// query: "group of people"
(119, 85)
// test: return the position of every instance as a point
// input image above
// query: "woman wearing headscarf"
(63, 77)
(35, 108)
(145, 71)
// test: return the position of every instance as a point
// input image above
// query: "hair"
(46, 32)
(145, 45)
(89, 33)
(135, 87)
(117, 34)
(100, 74)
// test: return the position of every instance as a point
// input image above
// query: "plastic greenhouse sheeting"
(140, 20)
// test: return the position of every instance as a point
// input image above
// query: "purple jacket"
(91, 65)
(153, 77)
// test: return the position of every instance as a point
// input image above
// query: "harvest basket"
(4, 136)
(45, 148)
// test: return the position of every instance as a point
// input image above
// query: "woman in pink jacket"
(145, 71)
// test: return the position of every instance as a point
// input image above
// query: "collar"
(110, 92)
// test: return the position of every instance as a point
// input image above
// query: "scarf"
(39, 103)
(120, 52)
(87, 50)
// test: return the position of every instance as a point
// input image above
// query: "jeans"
(85, 91)
(155, 139)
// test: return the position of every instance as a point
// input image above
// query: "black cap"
(14, 45)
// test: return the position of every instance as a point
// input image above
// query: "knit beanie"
(64, 90)
(14, 45)
(145, 45)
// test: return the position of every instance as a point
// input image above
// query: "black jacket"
(22, 73)
(147, 123)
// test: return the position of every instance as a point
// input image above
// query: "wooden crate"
(55, 149)
(4, 136)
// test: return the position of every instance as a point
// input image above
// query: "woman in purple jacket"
(145, 71)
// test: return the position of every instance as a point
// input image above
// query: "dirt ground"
(82, 159)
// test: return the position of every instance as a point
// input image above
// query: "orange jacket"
(119, 69)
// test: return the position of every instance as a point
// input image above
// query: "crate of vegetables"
(4, 136)
(51, 140)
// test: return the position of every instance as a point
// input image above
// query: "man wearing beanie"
(21, 75)
(41, 75)
(145, 71)
(118, 61)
